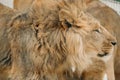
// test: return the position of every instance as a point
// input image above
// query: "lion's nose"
(113, 43)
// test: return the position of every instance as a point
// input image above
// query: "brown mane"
(51, 40)
(98, 10)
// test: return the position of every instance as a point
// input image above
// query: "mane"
(53, 40)
(54, 49)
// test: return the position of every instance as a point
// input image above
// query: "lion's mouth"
(102, 54)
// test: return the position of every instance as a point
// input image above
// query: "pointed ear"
(65, 19)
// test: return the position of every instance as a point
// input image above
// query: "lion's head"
(71, 35)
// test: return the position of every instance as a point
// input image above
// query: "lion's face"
(99, 41)
(86, 38)
(96, 40)
(72, 35)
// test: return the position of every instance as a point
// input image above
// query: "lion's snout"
(113, 43)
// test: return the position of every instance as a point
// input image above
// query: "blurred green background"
(118, 0)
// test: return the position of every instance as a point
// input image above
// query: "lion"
(97, 9)
(50, 41)
(110, 20)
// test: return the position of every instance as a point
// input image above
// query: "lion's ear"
(65, 19)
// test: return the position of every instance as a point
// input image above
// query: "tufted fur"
(102, 13)
(21, 4)
(51, 40)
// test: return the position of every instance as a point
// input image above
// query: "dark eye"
(97, 30)
(68, 24)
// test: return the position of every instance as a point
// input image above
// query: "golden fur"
(22, 5)
(97, 9)
(52, 39)
(111, 21)
(5, 53)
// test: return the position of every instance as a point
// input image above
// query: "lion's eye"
(68, 24)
